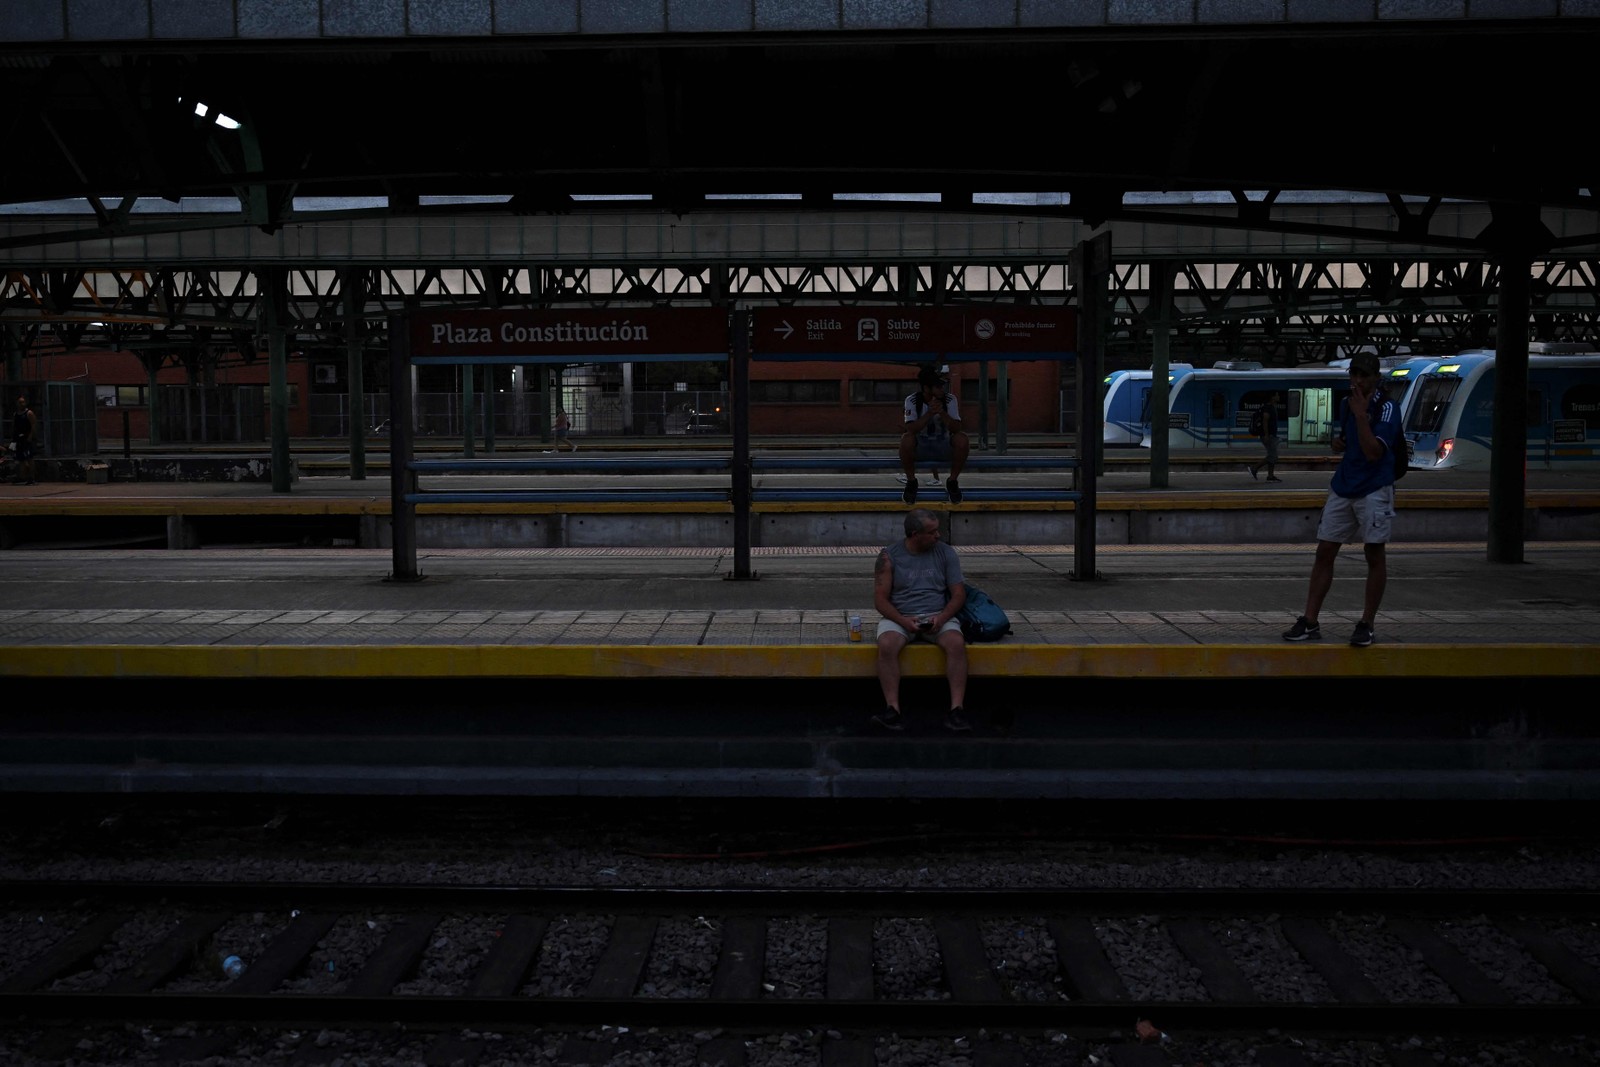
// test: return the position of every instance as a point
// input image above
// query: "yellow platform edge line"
(796, 661)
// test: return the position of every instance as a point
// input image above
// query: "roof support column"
(741, 488)
(1091, 276)
(1160, 317)
(274, 311)
(402, 479)
(1515, 231)
(351, 284)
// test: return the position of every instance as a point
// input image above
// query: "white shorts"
(1368, 519)
(887, 627)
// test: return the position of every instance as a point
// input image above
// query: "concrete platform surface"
(1158, 611)
(1216, 474)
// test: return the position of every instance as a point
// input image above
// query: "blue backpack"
(981, 618)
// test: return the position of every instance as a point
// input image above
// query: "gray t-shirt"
(921, 581)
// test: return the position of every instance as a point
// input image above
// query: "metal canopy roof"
(756, 153)
(1473, 110)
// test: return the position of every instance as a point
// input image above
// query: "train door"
(1541, 447)
(1313, 415)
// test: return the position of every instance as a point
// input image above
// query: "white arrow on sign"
(785, 331)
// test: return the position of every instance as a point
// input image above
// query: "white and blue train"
(1400, 378)
(1211, 407)
(1126, 404)
(1448, 411)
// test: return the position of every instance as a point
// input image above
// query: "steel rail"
(903, 1015)
(1096, 994)
(743, 899)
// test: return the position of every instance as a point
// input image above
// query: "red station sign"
(1014, 331)
(846, 333)
(578, 336)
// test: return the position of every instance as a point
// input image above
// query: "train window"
(824, 391)
(1433, 400)
(881, 390)
(1535, 413)
(1582, 402)
(969, 390)
(294, 396)
(1219, 405)
(1395, 389)
(1287, 403)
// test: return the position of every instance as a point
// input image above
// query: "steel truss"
(1281, 308)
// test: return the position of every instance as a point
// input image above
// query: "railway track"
(139, 953)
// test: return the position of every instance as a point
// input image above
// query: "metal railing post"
(402, 480)
(740, 381)
(1091, 271)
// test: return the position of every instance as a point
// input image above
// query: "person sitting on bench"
(932, 434)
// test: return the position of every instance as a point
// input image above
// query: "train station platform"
(1208, 499)
(1155, 611)
(626, 672)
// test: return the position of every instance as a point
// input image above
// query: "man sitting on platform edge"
(918, 589)
(932, 433)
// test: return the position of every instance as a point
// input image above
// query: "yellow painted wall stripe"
(796, 661)
(1242, 500)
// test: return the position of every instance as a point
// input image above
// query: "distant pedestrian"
(1360, 501)
(918, 589)
(1269, 439)
(24, 436)
(563, 427)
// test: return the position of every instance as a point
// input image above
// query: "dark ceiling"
(1475, 111)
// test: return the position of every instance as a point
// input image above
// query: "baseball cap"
(1364, 362)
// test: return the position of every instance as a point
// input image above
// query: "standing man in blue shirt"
(1360, 500)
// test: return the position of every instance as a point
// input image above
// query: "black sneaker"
(956, 721)
(909, 493)
(953, 488)
(890, 718)
(1362, 636)
(1303, 631)
(1251, 469)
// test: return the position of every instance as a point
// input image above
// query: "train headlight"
(1445, 448)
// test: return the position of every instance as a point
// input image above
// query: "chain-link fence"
(593, 410)
(211, 413)
(66, 415)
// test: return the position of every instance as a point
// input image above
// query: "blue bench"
(570, 496)
(885, 460)
(888, 460)
(594, 465)
(928, 496)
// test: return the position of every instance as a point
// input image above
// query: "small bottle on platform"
(855, 627)
(229, 966)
